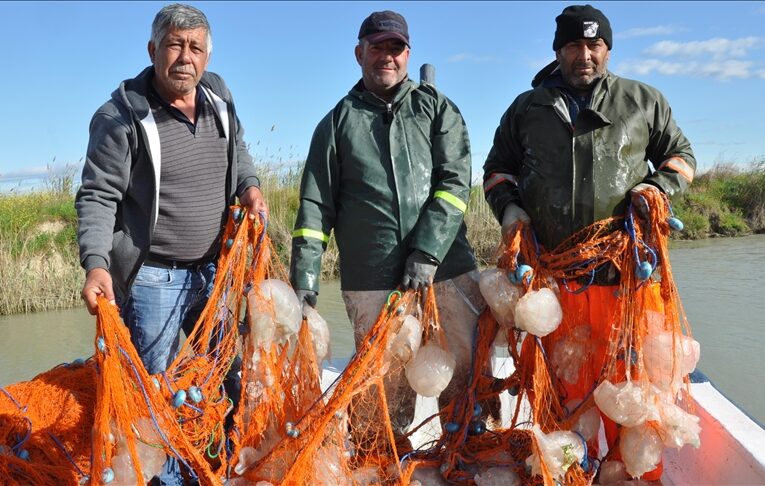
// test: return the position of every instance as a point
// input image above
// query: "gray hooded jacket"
(117, 204)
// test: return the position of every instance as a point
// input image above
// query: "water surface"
(720, 283)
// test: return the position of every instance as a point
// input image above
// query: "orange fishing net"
(633, 334)
(125, 421)
(109, 420)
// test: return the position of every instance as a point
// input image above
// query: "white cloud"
(719, 58)
(648, 31)
(469, 57)
(26, 172)
(717, 47)
(720, 70)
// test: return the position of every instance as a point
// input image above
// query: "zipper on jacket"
(563, 114)
(388, 116)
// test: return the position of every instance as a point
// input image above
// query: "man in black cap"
(389, 171)
(576, 149)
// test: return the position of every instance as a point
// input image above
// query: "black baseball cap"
(381, 26)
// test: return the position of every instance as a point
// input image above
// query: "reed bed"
(39, 267)
(39, 264)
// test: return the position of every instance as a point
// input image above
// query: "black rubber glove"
(419, 271)
(308, 296)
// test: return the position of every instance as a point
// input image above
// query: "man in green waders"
(389, 171)
(576, 149)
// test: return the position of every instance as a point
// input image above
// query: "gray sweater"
(117, 203)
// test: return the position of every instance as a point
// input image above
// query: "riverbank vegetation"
(39, 267)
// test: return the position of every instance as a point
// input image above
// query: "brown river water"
(720, 283)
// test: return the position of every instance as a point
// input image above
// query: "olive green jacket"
(388, 178)
(567, 177)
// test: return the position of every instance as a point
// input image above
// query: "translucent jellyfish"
(627, 403)
(277, 464)
(668, 358)
(407, 340)
(654, 321)
(588, 423)
(612, 472)
(641, 449)
(559, 450)
(319, 332)
(150, 454)
(538, 312)
(329, 467)
(569, 354)
(366, 476)
(691, 354)
(275, 306)
(149, 449)
(679, 426)
(431, 370)
(247, 457)
(260, 320)
(124, 471)
(500, 295)
(497, 476)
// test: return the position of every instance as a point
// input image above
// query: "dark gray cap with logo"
(382, 26)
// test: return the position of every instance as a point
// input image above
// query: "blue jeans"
(161, 302)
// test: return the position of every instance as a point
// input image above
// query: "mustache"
(183, 70)
(584, 65)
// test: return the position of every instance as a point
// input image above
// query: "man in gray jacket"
(165, 160)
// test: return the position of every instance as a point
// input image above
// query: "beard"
(582, 82)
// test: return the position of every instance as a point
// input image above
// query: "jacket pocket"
(124, 259)
(531, 167)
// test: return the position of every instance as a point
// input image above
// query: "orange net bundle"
(341, 436)
(108, 420)
(180, 412)
(620, 351)
(42, 427)
(280, 376)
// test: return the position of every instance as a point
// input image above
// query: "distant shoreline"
(39, 262)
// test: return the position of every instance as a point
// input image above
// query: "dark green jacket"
(388, 179)
(567, 177)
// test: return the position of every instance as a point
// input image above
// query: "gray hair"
(182, 17)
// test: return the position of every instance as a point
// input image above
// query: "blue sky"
(288, 63)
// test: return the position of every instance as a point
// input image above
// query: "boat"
(732, 450)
